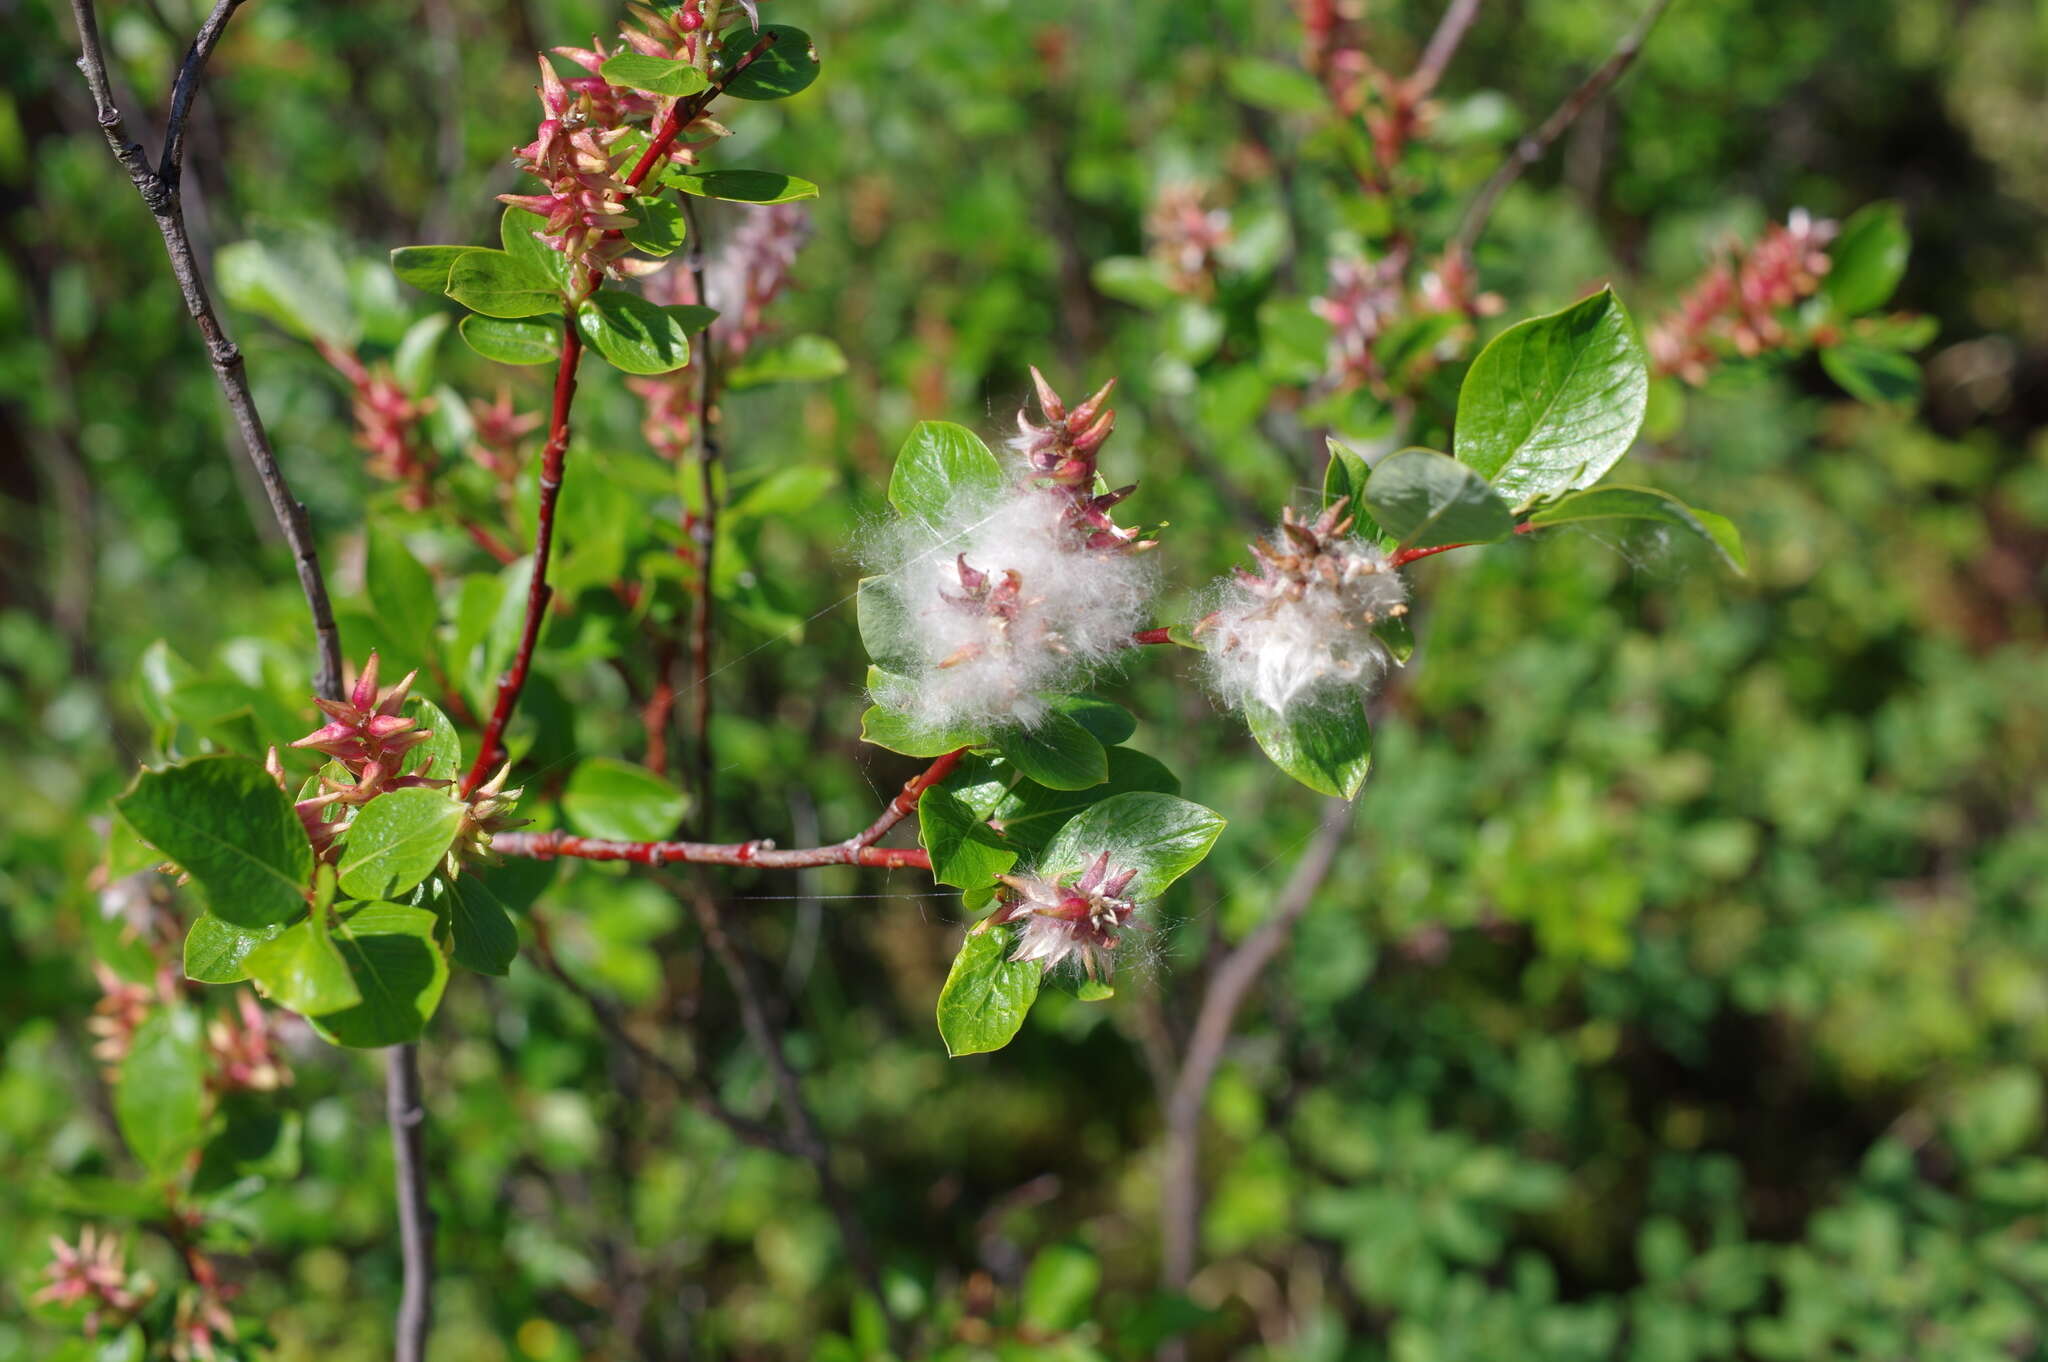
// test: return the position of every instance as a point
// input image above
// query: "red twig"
(1145, 636)
(1407, 556)
(859, 849)
(491, 750)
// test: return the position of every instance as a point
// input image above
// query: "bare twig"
(407, 1115)
(802, 1126)
(1179, 1197)
(1443, 45)
(859, 849)
(606, 1014)
(159, 190)
(1530, 149)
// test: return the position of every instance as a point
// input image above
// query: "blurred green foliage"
(1683, 993)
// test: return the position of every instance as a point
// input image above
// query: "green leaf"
(215, 950)
(521, 340)
(160, 1098)
(1873, 374)
(1135, 279)
(1270, 85)
(303, 970)
(518, 233)
(607, 797)
(1645, 503)
(1398, 635)
(743, 186)
(965, 851)
(789, 64)
(396, 841)
(397, 968)
(1057, 752)
(412, 363)
(1551, 403)
(884, 626)
(401, 591)
(939, 460)
(900, 733)
(1867, 260)
(300, 285)
(1327, 748)
(498, 284)
(1110, 722)
(655, 75)
(256, 1139)
(659, 228)
(1059, 1291)
(1346, 475)
(986, 996)
(800, 359)
(480, 929)
(1426, 499)
(426, 267)
(637, 336)
(444, 749)
(1160, 836)
(227, 825)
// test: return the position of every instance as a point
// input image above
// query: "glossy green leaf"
(788, 64)
(900, 733)
(443, 750)
(227, 825)
(426, 267)
(939, 461)
(607, 797)
(965, 851)
(800, 359)
(743, 186)
(637, 336)
(1057, 752)
(1873, 374)
(160, 1097)
(301, 285)
(1110, 722)
(215, 951)
(655, 75)
(1645, 503)
(986, 995)
(659, 227)
(303, 970)
(884, 626)
(1326, 747)
(1345, 475)
(519, 233)
(498, 284)
(1426, 499)
(521, 340)
(1551, 403)
(1867, 260)
(1160, 836)
(396, 841)
(398, 970)
(480, 931)
(1271, 85)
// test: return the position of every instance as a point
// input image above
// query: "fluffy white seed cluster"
(1006, 598)
(1299, 632)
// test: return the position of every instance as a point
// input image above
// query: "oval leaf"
(160, 1098)
(987, 995)
(1327, 748)
(1645, 503)
(787, 64)
(744, 186)
(426, 267)
(215, 951)
(523, 340)
(498, 284)
(606, 797)
(1867, 260)
(396, 841)
(655, 75)
(937, 461)
(1057, 752)
(397, 968)
(1426, 499)
(800, 359)
(1551, 403)
(227, 825)
(1160, 836)
(304, 971)
(637, 336)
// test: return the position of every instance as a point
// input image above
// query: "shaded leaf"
(160, 1098)
(787, 65)
(1426, 499)
(1057, 752)
(522, 340)
(398, 969)
(1645, 503)
(607, 797)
